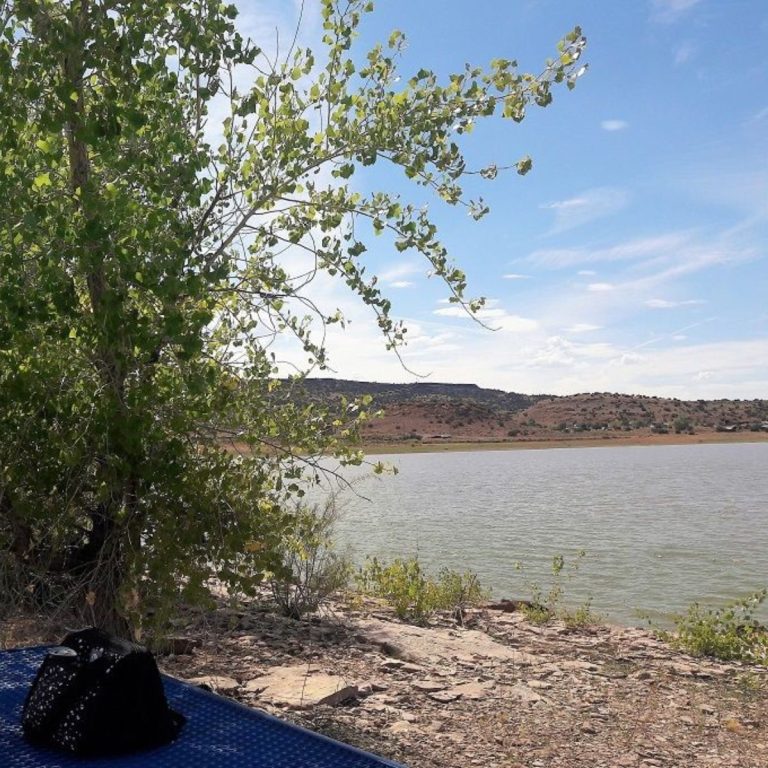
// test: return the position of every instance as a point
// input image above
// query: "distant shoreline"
(605, 441)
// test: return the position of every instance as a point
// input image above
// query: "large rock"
(301, 688)
(421, 645)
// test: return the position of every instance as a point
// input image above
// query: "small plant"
(313, 569)
(730, 633)
(542, 607)
(459, 591)
(582, 616)
(415, 595)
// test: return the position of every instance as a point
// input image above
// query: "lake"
(662, 526)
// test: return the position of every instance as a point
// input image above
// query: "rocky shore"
(499, 691)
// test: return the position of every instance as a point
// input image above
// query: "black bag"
(96, 695)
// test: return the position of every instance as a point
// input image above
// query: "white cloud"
(515, 324)
(496, 318)
(628, 358)
(397, 272)
(586, 272)
(590, 205)
(614, 125)
(582, 328)
(669, 11)
(557, 351)
(600, 287)
(666, 304)
(514, 276)
(401, 284)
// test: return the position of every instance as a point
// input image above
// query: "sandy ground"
(604, 441)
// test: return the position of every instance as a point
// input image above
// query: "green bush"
(545, 606)
(731, 633)
(414, 594)
(312, 568)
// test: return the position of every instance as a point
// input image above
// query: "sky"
(633, 257)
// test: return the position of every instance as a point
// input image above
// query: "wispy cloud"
(669, 11)
(600, 287)
(400, 284)
(582, 328)
(630, 250)
(494, 316)
(684, 52)
(614, 125)
(515, 276)
(666, 304)
(557, 351)
(397, 272)
(588, 206)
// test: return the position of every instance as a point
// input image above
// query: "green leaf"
(42, 180)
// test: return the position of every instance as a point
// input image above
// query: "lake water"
(662, 526)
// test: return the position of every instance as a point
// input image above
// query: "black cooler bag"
(96, 695)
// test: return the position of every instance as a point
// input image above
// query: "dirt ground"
(498, 692)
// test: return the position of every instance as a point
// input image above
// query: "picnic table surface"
(219, 733)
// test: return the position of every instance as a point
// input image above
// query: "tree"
(143, 276)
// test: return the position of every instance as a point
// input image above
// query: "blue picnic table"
(219, 733)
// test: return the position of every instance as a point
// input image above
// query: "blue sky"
(633, 257)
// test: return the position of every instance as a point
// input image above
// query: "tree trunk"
(102, 559)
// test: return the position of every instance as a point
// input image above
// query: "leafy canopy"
(145, 272)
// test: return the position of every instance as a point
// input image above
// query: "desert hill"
(432, 412)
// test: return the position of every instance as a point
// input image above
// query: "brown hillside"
(435, 413)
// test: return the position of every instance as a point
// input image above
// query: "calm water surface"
(662, 525)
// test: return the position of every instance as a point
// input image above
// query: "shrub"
(313, 569)
(682, 424)
(415, 595)
(731, 633)
(543, 607)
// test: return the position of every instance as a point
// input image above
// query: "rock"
(524, 694)
(473, 691)
(216, 683)
(372, 686)
(444, 697)
(578, 666)
(588, 728)
(428, 686)
(706, 709)
(402, 726)
(176, 646)
(300, 688)
(509, 606)
(539, 685)
(422, 645)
